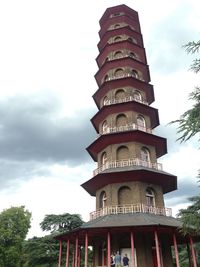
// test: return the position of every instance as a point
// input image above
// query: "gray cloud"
(33, 135)
(185, 190)
(31, 129)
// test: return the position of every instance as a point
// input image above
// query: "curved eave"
(120, 83)
(167, 181)
(105, 111)
(121, 63)
(119, 31)
(105, 140)
(133, 23)
(119, 8)
(120, 45)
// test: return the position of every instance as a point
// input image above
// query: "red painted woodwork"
(166, 180)
(130, 62)
(117, 9)
(140, 108)
(128, 136)
(115, 20)
(120, 83)
(119, 31)
(67, 253)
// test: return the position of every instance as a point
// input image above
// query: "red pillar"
(193, 252)
(86, 249)
(67, 254)
(79, 257)
(76, 252)
(176, 250)
(60, 254)
(189, 255)
(132, 249)
(108, 250)
(157, 249)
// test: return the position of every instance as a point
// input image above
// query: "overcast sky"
(47, 66)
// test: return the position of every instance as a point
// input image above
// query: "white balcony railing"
(129, 127)
(123, 100)
(123, 76)
(127, 163)
(131, 208)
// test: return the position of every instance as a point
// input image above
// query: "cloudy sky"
(47, 66)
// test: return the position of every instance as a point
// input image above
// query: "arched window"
(124, 195)
(105, 127)
(122, 153)
(145, 155)
(119, 73)
(133, 55)
(132, 40)
(116, 26)
(141, 123)
(106, 78)
(121, 120)
(118, 54)
(104, 158)
(134, 73)
(120, 94)
(150, 197)
(105, 101)
(106, 59)
(137, 96)
(117, 39)
(102, 199)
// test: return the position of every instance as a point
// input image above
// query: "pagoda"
(129, 183)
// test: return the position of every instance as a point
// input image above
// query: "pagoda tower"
(129, 183)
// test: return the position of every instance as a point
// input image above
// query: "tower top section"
(116, 11)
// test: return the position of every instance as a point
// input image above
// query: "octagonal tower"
(129, 183)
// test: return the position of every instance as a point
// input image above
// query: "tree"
(44, 251)
(61, 223)
(14, 226)
(189, 122)
(41, 251)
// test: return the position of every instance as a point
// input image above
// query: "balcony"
(130, 209)
(121, 56)
(122, 76)
(129, 127)
(123, 100)
(127, 163)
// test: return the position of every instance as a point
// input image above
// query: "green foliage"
(191, 216)
(44, 251)
(189, 122)
(41, 251)
(14, 226)
(61, 223)
(193, 47)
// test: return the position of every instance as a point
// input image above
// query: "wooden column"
(157, 249)
(176, 250)
(67, 253)
(132, 249)
(193, 252)
(86, 249)
(108, 250)
(189, 255)
(76, 252)
(79, 257)
(60, 254)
